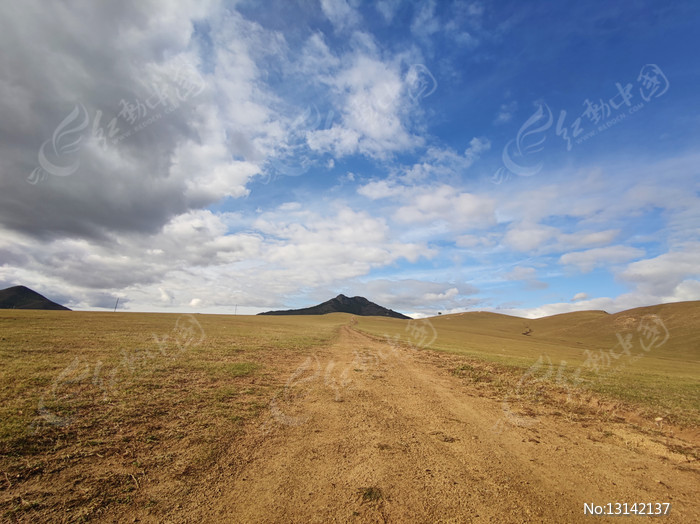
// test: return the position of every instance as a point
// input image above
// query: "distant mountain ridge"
(341, 304)
(21, 297)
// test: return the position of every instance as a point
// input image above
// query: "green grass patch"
(241, 369)
(371, 494)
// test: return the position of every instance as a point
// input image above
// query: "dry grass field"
(121, 417)
(660, 375)
(93, 402)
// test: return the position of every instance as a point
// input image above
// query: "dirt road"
(367, 432)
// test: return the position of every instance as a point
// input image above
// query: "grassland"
(573, 352)
(96, 400)
(105, 410)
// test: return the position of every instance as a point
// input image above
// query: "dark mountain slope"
(21, 297)
(342, 304)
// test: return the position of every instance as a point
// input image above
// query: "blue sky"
(529, 158)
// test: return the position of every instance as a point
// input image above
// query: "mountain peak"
(342, 304)
(21, 297)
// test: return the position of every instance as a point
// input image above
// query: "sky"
(528, 158)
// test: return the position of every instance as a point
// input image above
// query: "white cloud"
(461, 210)
(182, 159)
(165, 296)
(584, 238)
(521, 273)
(425, 23)
(387, 8)
(505, 112)
(671, 277)
(526, 237)
(317, 58)
(290, 206)
(587, 260)
(134, 220)
(444, 164)
(381, 189)
(468, 241)
(476, 147)
(314, 250)
(686, 290)
(284, 250)
(340, 140)
(406, 294)
(340, 14)
(662, 275)
(375, 111)
(453, 23)
(528, 275)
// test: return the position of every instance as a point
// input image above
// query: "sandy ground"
(366, 432)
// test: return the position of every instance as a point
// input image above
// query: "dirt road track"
(365, 432)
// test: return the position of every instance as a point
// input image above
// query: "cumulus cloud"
(528, 275)
(463, 210)
(381, 189)
(375, 113)
(664, 274)
(587, 260)
(191, 87)
(387, 8)
(527, 237)
(123, 161)
(476, 147)
(340, 13)
(282, 251)
(411, 294)
(136, 114)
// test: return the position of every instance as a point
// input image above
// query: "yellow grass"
(573, 351)
(102, 400)
(148, 392)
